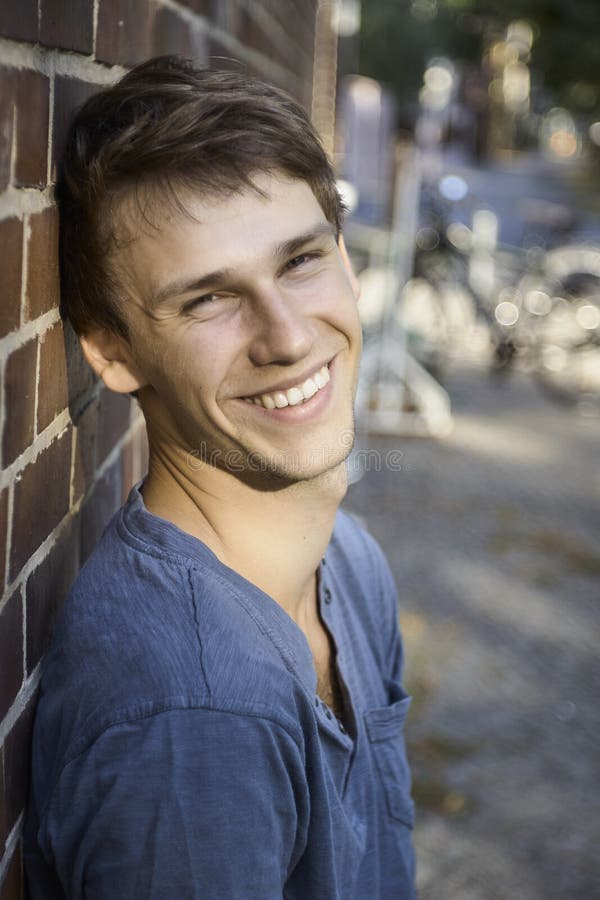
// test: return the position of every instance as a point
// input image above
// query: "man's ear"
(348, 266)
(111, 359)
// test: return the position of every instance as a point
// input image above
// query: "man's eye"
(200, 301)
(301, 260)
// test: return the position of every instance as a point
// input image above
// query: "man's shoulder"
(146, 629)
(354, 551)
(363, 580)
(124, 599)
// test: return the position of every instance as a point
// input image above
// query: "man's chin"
(278, 471)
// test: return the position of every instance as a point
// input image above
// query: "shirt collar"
(145, 529)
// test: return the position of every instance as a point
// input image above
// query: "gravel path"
(493, 537)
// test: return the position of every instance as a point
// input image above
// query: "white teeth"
(322, 377)
(309, 389)
(293, 396)
(267, 402)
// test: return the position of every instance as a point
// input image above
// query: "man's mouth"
(295, 395)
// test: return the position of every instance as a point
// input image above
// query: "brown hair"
(170, 125)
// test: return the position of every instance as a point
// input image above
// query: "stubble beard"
(287, 468)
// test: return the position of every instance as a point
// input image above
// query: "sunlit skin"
(246, 295)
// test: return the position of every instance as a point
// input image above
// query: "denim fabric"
(181, 751)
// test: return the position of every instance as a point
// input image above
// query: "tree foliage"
(398, 37)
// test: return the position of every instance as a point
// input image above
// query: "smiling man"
(221, 713)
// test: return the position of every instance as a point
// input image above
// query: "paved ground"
(493, 537)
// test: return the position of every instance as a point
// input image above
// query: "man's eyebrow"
(187, 285)
(288, 248)
(219, 277)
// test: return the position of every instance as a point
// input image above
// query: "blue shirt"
(181, 751)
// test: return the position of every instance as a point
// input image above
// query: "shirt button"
(341, 727)
(317, 701)
(328, 713)
(327, 595)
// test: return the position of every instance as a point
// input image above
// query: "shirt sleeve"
(196, 804)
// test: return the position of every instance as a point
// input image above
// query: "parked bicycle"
(534, 307)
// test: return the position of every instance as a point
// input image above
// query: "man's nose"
(282, 333)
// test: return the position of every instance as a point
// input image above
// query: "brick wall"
(69, 450)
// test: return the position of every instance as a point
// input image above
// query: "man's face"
(245, 330)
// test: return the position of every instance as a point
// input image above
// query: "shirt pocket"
(385, 730)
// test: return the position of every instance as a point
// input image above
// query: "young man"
(220, 713)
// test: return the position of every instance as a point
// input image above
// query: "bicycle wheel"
(567, 345)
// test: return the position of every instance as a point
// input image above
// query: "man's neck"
(273, 538)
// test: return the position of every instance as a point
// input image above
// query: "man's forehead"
(153, 210)
(159, 209)
(163, 247)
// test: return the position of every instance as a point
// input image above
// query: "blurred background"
(467, 142)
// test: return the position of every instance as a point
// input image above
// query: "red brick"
(41, 500)
(221, 13)
(127, 468)
(172, 34)
(103, 501)
(19, 399)
(69, 95)
(53, 391)
(253, 36)
(142, 452)
(68, 24)
(208, 8)
(19, 19)
(242, 26)
(3, 533)
(17, 756)
(12, 886)
(46, 590)
(229, 14)
(222, 57)
(32, 94)
(3, 814)
(113, 421)
(84, 436)
(82, 379)
(299, 25)
(11, 651)
(7, 103)
(33, 106)
(134, 460)
(124, 31)
(43, 282)
(11, 241)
